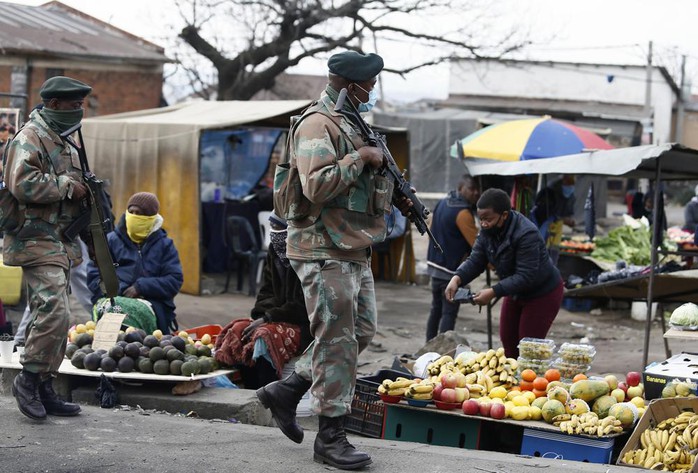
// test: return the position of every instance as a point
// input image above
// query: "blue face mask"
(372, 99)
(567, 191)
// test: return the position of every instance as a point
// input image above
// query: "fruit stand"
(540, 404)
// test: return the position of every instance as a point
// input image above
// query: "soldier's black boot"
(333, 448)
(25, 388)
(282, 398)
(53, 404)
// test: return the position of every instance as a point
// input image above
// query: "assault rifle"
(92, 208)
(418, 213)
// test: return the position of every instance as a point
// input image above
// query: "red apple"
(633, 378)
(498, 411)
(471, 407)
(436, 393)
(462, 394)
(449, 380)
(460, 380)
(485, 408)
(622, 385)
(449, 395)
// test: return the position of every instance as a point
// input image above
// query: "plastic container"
(569, 370)
(447, 406)
(576, 353)
(536, 348)
(539, 366)
(417, 402)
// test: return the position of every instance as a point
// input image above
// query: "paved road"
(113, 440)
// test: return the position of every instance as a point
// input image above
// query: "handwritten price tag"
(107, 331)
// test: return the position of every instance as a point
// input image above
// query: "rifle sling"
(105, 264)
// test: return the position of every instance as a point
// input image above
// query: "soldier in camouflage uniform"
(43, 174)
(330, 251)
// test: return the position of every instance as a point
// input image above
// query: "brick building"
(36, 43)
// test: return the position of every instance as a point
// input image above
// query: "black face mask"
(493, 230)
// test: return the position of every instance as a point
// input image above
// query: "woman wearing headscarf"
(148, 268)
(278, 328)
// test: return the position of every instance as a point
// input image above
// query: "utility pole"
(678, 130)
(648, 116)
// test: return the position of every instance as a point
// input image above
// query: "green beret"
(64, 88)
(354, 66)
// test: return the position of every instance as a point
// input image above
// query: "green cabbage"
(685, 315)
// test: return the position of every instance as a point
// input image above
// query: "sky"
(598, 31)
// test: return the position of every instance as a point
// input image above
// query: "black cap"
(354, 66)
(64, 88)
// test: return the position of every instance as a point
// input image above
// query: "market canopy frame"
(670, 161)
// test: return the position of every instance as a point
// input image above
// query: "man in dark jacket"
(453, 226)
(148, 262)
(529, 283)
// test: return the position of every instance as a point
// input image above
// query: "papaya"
(589, 389)
(625, 412)
(577, 406)
(559, 393)
(551, 409)
(602, 405)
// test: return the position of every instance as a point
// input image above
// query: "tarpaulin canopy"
(678, 162)
(159, 151)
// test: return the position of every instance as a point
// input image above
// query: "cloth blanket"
(139, 312)
(282, 342)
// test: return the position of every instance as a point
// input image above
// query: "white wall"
(563, 81)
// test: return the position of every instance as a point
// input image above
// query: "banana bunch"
(494, 364)
(444, 363)
(479, 384)
(669, 447)
(588, 424)
(421, 391)
(396, 388)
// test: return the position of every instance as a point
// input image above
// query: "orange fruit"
(526, 386)
(515, 388)
(540, 383)
(528, 375)
(579, 377)
(552, 375)
(539, 393)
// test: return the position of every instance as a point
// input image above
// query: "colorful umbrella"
(533, 138)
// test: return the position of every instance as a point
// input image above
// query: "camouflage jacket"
(348, 199)
(39, 173)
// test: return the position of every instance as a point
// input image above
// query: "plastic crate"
(197, 332)
(541, 443)
(367, 410)
(431, 426)
(574, 304)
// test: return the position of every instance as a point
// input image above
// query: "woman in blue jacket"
(530, 285)
(148, 265)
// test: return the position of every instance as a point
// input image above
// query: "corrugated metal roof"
(57, 30)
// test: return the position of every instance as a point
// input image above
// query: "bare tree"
(251, 42)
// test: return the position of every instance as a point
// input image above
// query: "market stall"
(203, 159)
(656, 162)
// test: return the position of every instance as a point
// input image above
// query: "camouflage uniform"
(330, 251)
(39, 173)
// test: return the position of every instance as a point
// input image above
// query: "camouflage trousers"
(341, 302)
(48, 330)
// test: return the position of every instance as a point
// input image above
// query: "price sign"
(107, 331)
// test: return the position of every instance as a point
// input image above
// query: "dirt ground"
(403, 311)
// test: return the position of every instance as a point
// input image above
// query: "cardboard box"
(656, 376)
(657, 411)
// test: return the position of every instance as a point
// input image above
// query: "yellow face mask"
(138, 226)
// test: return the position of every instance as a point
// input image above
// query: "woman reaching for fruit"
(531, 286)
